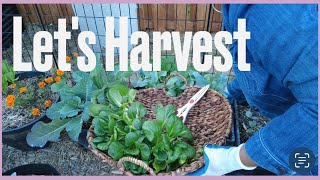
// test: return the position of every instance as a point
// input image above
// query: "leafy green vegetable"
(8, 75)
(175, 85)
(121, 130)
(77, 105)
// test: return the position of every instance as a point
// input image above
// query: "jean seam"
(273, 95)
(265, 148)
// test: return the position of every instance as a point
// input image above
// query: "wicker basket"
(210, 121)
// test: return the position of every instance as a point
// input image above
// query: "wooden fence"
(156, 17)
(179, 17)
(47, 13)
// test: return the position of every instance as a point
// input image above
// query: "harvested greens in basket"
(121, 130)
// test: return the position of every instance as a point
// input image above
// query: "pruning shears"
(183, 111)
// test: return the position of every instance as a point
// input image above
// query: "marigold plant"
(23, 89)
(10, 100)
(35, 111)
(42, 84)
(57, 79)
(48, 103)
(68, 59)
(13, 86)
(48, 80)
(75, 54)
(59, 72)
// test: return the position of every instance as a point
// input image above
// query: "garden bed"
(69, 158)
(249, 121)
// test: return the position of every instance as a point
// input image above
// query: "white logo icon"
(302, 160)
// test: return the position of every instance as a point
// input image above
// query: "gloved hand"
(220, 160)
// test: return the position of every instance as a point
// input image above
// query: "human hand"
(220, 160)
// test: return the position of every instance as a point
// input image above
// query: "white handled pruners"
(183, 111)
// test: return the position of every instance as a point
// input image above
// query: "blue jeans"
(283, 81)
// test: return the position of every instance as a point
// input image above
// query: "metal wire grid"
(91, 17)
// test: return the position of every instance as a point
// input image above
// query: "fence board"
(49, 14)
(179, 17)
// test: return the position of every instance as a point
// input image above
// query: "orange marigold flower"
(13, 86)
(59, 72)
(48, 80)
(10, 101)
(42, 84)
(68, 59)
(75, 54)
(35, 111)
(23, 89)
(57, 79)
(47, 103)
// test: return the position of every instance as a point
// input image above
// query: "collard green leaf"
(56, 87)
(200, 80)
(41, 133)
(71, 107)
(79, 75)
(74, 128)
(116, 150)
(54, 112)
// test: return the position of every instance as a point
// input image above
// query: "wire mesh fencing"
(141, 17)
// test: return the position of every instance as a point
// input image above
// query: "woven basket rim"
(183, 170)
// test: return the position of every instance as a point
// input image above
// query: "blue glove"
(220, 160)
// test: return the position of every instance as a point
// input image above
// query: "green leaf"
(95, 109)
(85, 115)
(84, 89)
(183, 159)
(71, 107)
(98, 139)
(174, 126)
(152, 130)
(175, 155)
(144, 150)
(54, 111)
(164, 113)
(131, 138)
(133, 151)
(79, 75)
(123, 90)
(159, 165)
(115, 97)
(252, 124)
(116, 150)
(74, 128)
(136, 110)
(186, 133)
(103, 146)
(200, 80)
(56, 87)
(249, 114)
(131, 95)
(41, 133)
